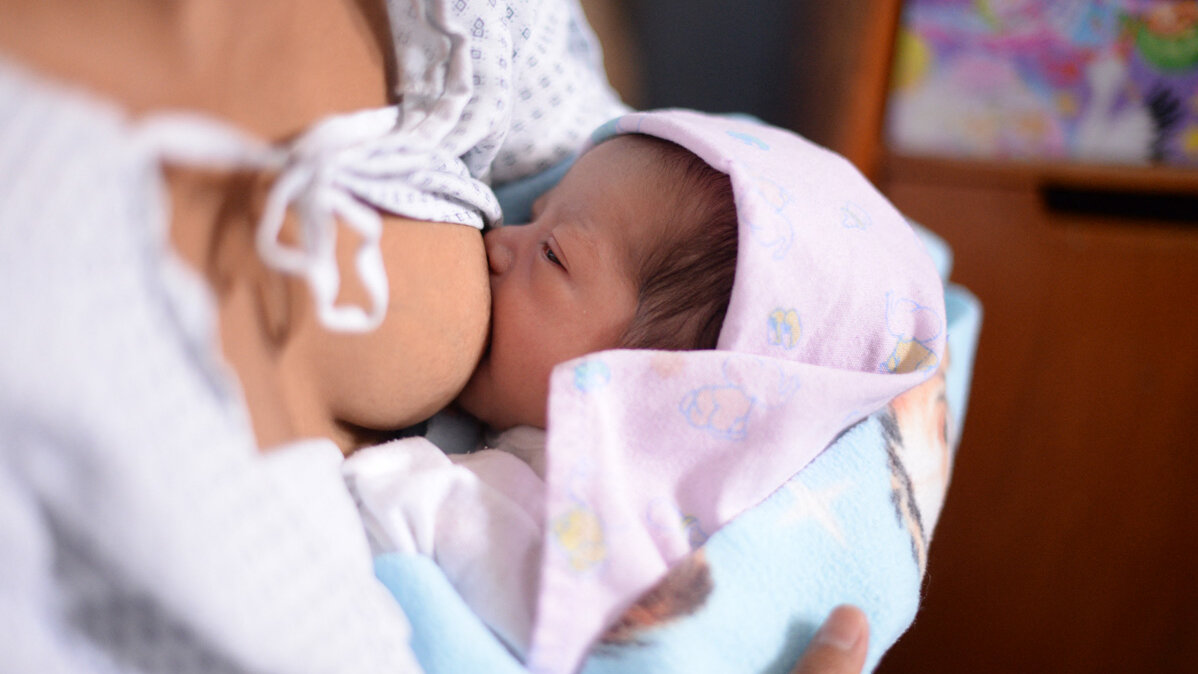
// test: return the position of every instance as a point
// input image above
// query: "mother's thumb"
(839, 646)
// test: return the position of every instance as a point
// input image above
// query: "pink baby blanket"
(836, 309)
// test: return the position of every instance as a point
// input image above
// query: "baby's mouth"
(486, 353)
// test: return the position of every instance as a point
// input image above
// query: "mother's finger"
(839, 646)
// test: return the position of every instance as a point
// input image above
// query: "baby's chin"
(477, 393)
(490, 404)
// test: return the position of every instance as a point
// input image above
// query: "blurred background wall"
(1069, 541)
(761, 57)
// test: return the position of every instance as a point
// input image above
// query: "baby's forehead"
(633, 169)
(635, 151)
(626, 192)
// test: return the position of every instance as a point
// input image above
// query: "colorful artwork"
(1093, 80)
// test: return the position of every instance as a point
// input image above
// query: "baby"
(612, 259)
(760, 297)
(597, 271)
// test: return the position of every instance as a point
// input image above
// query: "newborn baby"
(763, 297)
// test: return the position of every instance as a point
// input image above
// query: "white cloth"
(140, 529)
(487, 91)
(479, 515)
(511, 86)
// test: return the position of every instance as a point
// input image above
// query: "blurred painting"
(1106, 81)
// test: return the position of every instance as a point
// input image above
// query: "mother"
(139, 526)
(273, 69)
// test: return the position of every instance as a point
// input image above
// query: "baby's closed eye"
(549, 254)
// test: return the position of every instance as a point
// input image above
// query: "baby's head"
(634, 248)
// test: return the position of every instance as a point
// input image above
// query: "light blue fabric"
(781, 567)
(941, 254)
(446, 635)
(777, 570)
(964, 313)
(515, 198)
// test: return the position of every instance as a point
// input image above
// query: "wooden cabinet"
(1069, 540)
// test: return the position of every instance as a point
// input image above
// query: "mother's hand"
(839, 646)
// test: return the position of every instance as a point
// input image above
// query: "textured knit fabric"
(519, 82)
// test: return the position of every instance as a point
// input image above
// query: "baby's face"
(562, 285)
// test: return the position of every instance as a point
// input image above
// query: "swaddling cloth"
(836, 309)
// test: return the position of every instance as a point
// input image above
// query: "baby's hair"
(685, 280)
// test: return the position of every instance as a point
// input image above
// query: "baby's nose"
(499, 250)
